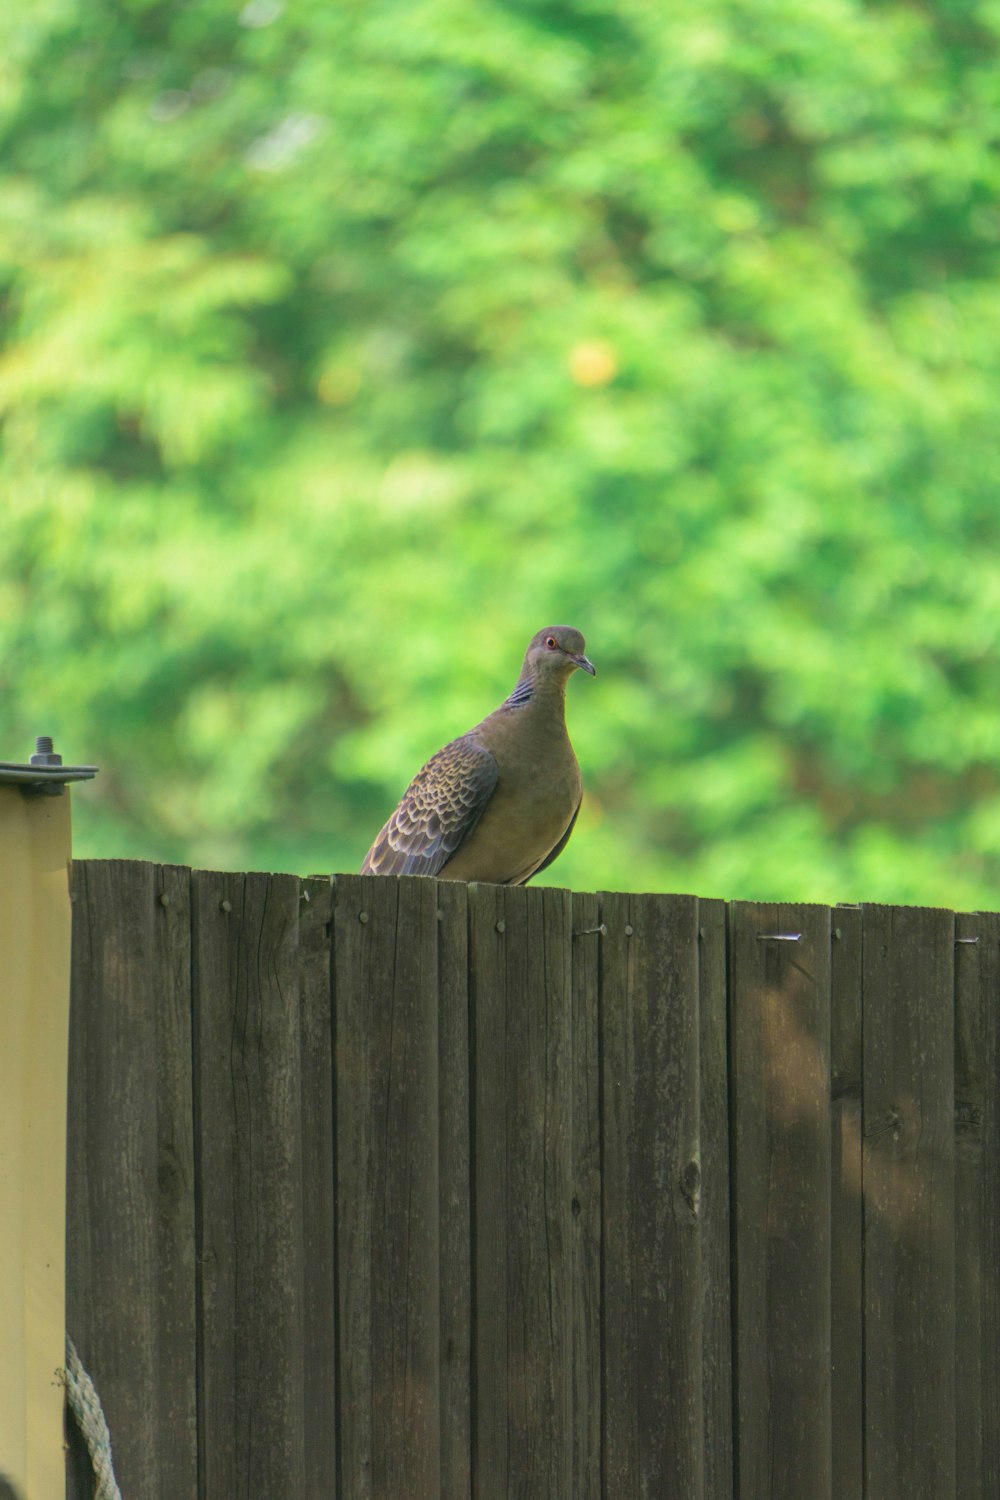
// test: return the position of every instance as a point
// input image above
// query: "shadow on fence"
(391, 1188)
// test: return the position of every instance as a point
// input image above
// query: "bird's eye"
(552, 643)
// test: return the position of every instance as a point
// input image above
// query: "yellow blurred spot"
(338, 384)
(592, 811)
(736, 215)
(593, 363)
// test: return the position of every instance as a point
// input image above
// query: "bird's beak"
(581, 661)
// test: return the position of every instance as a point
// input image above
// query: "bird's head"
(556, 652)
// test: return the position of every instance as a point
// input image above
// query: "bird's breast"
(527, 815)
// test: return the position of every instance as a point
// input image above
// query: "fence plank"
(456, 1206)
(522, 1015)
(780, 1018)
(977, 1205)
(908, 1166)
(130, 1279)
(846, 1294)
(318, 1247)
(249, 1116)
(717, 1363)
(586, 1202)
(654, 1440)
(388, 1186)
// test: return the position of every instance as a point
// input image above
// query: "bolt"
(501, 926)
(362, 916)
(628, 930)
(44, 755)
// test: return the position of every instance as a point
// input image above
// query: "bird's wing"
(440, 808)
(556, 850)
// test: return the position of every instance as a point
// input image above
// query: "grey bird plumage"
(497, 804)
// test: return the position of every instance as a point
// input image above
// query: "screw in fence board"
(653, 1420)
(846, 1260)
(909, 1200)
(388, 1185)
(130, 1278)
(523, 1069)
(249, 1153)
(780, 1059)
(977, 1205)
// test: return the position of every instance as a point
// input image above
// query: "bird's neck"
(540, 695)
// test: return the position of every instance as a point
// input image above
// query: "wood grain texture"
(420, 1191)
(520, 945)
(319, 1354)
(456, 1205)
(847, 1219)
(586, 1201)
(388, 1186)
(653, 1416)
(977, 1206)
(780, 1021)
(130, 1279)
(250, 1187)
(909, 1192)
(714, 1217)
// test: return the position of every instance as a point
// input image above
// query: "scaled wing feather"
(440, 808)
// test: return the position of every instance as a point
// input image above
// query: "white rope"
(86, 1407)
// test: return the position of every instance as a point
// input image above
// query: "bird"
(499, 803)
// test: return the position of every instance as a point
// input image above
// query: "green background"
(346, 345)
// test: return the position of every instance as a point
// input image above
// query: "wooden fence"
(385, 1188)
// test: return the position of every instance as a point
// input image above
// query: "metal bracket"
(44, 774)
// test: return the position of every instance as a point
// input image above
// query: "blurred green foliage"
(344, 346)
